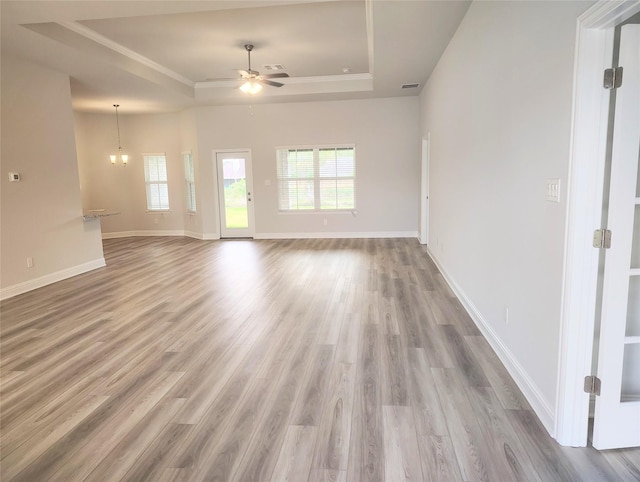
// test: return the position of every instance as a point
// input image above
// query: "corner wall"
(122, 189)
(41, 214)
(385, 132)
(498, 110)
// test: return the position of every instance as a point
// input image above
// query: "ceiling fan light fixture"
(251, 87)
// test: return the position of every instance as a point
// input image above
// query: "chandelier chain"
(118, 126)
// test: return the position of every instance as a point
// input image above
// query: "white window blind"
(189, 177)
(155, 176)
(320, 178)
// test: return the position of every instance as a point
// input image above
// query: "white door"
(235, 194)
(424, 192)
(617, 414)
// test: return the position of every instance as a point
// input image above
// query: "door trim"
(424, 190)
(594, 49)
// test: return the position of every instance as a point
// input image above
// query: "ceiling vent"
(410, 86)
(274, 67)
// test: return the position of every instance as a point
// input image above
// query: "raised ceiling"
(156, 56)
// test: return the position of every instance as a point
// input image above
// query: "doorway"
(235, 194)
(586, 179)
(617, 407)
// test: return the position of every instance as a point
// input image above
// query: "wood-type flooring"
(288, 360)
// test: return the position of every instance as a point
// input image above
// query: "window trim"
(148, 183)
(316, 179)
(189, 182)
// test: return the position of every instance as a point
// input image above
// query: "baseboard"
(215, 236)
(334, 235)
(129, 234)
(540, 406)
(200, 236)
(210, 236)
(50, 278)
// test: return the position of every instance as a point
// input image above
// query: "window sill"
(158, 211)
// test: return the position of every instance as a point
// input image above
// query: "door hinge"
(602, 238)
(613, 78)
(592, 385)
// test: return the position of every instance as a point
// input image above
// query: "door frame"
(594, 50)
(250, 212)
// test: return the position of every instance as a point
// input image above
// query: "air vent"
(274, 67)
(410, 86)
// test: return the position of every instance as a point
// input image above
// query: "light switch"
(553, 190)
(14, 176)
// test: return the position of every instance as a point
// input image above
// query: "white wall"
(41, 214)
(385, 132)
(498, 109)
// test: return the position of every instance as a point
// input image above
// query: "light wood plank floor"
(318, 360)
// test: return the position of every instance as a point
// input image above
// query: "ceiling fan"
(254, 81)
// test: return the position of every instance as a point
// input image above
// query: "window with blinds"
(316, 179)
(155, 176)
(190, 183)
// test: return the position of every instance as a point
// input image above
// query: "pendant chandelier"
(120, 156)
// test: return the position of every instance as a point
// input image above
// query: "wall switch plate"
(14, 176)
(553, 190)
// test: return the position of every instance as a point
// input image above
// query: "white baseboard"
(50, 278)
(210, 236)
(215, 236)
(540, 405)
(325, 235)
(129, 234)
(194, 235)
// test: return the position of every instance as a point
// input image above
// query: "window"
(155, 176)
(316, 179)
(189, 178)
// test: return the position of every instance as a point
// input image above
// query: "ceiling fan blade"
(271, 83)
(279, 75)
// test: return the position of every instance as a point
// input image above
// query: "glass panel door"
(617, 413)
(235, 194)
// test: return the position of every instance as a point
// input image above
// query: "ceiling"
(163, 56)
